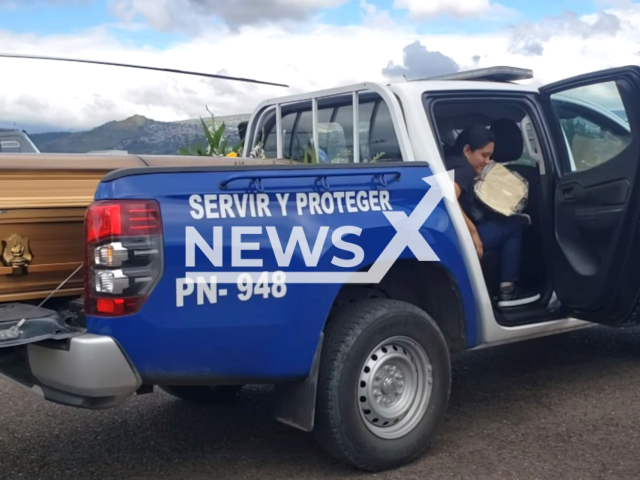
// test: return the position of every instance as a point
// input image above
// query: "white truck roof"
(443, 85)
(492, 78)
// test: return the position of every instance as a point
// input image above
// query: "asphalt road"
(563, 407)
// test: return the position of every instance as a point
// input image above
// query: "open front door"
(595, 124)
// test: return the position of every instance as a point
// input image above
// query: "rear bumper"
(86, 371)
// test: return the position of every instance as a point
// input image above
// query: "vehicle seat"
(509, 146)
(509, 142)
(533, 269)
(448, 140)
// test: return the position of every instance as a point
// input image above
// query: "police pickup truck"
(341, 269)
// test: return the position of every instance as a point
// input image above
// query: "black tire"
(204, 394)
(350, 338)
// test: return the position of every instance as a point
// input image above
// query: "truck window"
(451, 117)
(303, 132)
(271, 146)
(383, 139)
(593, 122)
(378, 139)
(10, 146)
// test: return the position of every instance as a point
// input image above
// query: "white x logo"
(408, 228)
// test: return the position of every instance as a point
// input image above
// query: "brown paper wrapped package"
(501, 190)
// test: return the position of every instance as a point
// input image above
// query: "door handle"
(568, 193)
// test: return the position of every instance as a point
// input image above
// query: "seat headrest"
(242, 129)
(509, 143)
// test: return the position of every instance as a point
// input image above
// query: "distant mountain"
(141, 135)
(136, 135)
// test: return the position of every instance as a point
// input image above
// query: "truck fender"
(295, 402)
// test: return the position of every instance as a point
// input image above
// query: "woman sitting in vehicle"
(472, 152)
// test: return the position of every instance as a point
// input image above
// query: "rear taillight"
(123, 255)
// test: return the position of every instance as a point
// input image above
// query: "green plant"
(377, 157)
(309, 155)
(217, 145)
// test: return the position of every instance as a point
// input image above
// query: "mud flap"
(295, 403)
(21, 324)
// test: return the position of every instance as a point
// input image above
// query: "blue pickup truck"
(333, 261)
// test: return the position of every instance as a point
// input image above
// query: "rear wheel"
(204, 394)
(383, 385)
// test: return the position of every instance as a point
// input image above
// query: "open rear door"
(595, 125)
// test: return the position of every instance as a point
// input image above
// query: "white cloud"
(71, 95)
(372, 16)
(15, 4)
(529, 38)
(419, 62)
(427, 9)
(195, 15)
(9, 5)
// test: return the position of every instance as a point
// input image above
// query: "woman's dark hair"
(476, 136)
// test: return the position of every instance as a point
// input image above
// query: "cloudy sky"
(307, 44)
